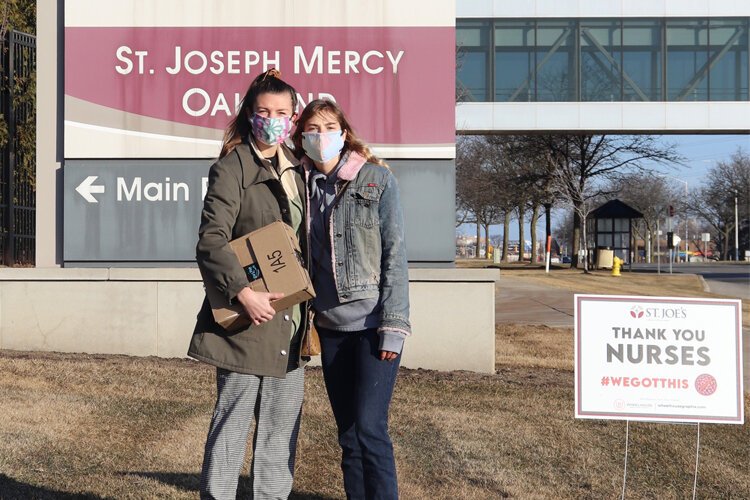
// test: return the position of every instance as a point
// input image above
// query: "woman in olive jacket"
(259, 369)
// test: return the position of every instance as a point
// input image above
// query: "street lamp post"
(736, 231)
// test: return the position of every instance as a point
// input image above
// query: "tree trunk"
(506, 231)
(584, 247)
(487, 241)
(479, 238)
(534, 220)
(648, 242)
(725, 248)
(576, 243)
(521, 235)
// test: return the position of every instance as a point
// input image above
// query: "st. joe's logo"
(636, 312)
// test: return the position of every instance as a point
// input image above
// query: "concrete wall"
(151, 312)
(604, 117)
(601, 8)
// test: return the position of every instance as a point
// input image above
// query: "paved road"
(519, 301)
(732, 280)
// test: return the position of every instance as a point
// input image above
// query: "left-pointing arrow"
(85, 189)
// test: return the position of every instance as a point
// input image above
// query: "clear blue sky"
(701, 153)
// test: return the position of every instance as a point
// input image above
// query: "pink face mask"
(324, 146)
(271, 130)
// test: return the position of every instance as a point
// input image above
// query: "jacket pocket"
(365, 202)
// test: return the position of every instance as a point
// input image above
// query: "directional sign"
(147, 212)
(121, 211)
(86, 188)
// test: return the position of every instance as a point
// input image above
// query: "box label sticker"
(253, 272)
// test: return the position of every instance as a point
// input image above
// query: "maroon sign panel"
(397, 84)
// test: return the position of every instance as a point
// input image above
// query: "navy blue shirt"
(329, 312)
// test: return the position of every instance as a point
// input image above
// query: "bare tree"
(509, 193)
(466, 162)
(507, 215)
(579, 165)
(522, 185)
(715, 201)
(565, 233)
(648, 193)
(532, 227)
(476, 191)
(582, 200)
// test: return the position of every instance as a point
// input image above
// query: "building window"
(555, 61)
(514, 61)
(601, 60)
(472, 61)
(644, 60)
(641, 60)
(728, 60)
(687, 58)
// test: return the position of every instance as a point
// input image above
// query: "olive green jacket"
(243, 196)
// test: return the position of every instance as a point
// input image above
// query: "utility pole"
(736, 231)
(658, 247)
(686, 213)
(670, 241)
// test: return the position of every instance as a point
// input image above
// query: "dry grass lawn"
(85, 426)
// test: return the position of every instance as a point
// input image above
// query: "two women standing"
(344, 206)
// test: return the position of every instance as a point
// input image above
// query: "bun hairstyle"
(268, 82)
(352, 141)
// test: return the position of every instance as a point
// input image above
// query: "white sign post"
(658, 359)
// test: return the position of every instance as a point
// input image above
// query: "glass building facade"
(612, 60)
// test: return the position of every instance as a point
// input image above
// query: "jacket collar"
(256, 169)
(348, 171)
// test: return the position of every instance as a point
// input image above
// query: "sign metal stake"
(697, 459)
(625, 468)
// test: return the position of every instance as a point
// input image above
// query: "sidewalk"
(523, 302)
(520, 301)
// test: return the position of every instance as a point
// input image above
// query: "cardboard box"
(272, 260)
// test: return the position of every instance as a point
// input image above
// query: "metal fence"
(18, 154)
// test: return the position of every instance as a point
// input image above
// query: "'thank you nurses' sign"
(161, 79)
(658, 359)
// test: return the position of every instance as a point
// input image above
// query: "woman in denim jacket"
(359, 268)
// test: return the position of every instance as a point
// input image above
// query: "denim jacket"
(367, 240)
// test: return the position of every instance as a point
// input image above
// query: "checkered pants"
(276, 404)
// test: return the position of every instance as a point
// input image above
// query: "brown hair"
(239, 127)
(352, 141)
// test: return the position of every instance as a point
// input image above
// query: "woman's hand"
(257, 305)
(388, 355)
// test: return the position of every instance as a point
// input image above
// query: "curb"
(706, 288)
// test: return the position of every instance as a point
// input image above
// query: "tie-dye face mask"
(271, 130)
(323, 147)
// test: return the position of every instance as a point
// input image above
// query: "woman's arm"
(221, 207)
(215, 257)
(394, 272)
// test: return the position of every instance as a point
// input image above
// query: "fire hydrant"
(617, 263)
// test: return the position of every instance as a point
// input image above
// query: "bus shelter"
(613, 232)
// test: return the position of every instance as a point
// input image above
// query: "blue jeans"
(359, 388)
